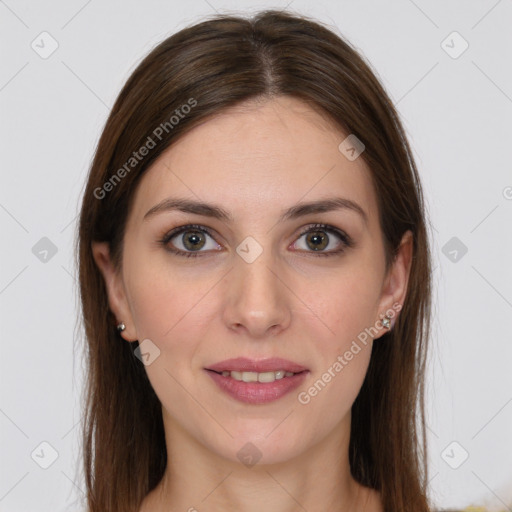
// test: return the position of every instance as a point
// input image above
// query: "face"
(255, 283)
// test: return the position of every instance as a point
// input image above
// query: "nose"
(257, 299)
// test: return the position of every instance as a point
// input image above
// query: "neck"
(198, 479)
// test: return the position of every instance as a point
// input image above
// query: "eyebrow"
(294, 212)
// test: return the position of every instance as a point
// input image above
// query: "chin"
(261, 448)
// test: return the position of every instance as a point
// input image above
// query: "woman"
(255, 281)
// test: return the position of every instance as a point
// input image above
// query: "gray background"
(456, 108)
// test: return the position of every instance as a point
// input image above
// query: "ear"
(394, 289)
(115, 289)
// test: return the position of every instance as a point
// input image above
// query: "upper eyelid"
(188, 227)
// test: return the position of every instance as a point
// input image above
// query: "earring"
(121, 327)
(386, 322)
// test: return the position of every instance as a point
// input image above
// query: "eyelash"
(345, 239)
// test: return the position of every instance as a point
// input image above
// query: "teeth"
(257, 377)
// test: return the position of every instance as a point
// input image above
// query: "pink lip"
(257, 392)
(243, 364)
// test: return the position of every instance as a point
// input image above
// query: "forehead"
(261, 156)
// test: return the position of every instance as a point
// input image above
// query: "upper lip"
(243, 364)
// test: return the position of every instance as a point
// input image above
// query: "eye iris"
(318, 238)
(195, 238)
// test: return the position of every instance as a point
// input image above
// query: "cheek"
(173, 312)
(176, 311)
(344, 305)
(330, 394)
(342, 353)
(342, 330)
(165, 299)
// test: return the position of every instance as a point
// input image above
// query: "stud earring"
(121, 327)
(386, 322)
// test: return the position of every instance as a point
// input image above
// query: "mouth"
(257, 382)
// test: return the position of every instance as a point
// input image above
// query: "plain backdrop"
(446, 66)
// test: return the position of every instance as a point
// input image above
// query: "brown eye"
(193, 240)
(189, 241)
(317, 240)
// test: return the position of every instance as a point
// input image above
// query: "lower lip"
(257, 392)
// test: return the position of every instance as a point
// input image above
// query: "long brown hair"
(212, 65)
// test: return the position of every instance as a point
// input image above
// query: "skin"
(256, 160)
